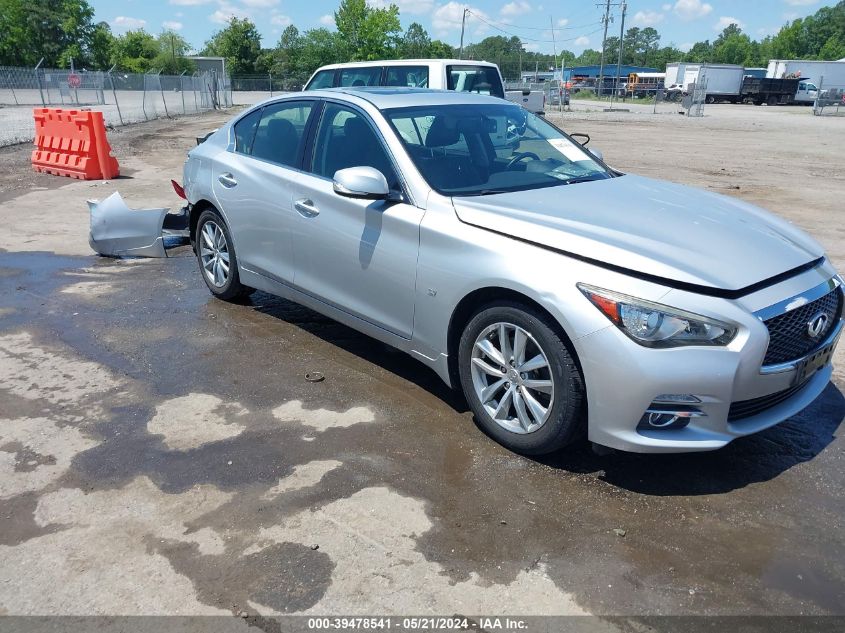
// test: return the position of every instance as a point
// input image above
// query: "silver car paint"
(398, 272)
(118, 231)
(650, 226)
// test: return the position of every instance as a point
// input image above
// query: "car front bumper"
(624, 380)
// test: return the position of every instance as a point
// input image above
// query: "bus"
(645, 84)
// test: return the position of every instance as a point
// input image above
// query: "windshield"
(466, 150)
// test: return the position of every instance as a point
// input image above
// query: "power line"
(491, 22)
(523, 38)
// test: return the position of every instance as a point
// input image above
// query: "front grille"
(747, 408)
(788, 336)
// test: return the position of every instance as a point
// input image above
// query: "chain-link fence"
(122, 97)
(830, 99)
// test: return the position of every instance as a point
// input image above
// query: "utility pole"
(554, 55)
(463, 25)
(619, 60)
(606, 20)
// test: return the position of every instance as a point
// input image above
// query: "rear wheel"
(217, 260)
(520, 379)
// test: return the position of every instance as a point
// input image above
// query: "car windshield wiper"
(483, 192)
(577, 179)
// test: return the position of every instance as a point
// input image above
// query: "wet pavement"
(196, 414)
(161, 452)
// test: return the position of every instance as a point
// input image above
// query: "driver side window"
(347, 139)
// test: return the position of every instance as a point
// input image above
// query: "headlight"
(655, 325)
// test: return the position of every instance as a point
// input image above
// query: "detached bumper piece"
(118, 231)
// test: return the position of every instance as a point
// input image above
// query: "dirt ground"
(162, 453)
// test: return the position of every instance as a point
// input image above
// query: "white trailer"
(675, 73)
(814, 75)
(724, 81)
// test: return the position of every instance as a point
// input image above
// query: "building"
(581, 73)
(592, 72)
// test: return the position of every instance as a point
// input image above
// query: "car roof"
(386, 97)
(406, 62)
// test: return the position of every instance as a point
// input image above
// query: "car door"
(254, 185)
(357, 255)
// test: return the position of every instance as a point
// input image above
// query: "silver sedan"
(565, 298)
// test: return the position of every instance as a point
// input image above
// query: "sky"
(577, 23)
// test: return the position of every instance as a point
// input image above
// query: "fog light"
(661, 417)
(663, 420)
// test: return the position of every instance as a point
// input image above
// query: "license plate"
(814, 363)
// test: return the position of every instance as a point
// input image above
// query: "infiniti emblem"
(816, 325)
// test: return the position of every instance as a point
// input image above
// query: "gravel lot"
(161, 452)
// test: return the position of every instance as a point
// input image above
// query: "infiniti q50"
(563, 297)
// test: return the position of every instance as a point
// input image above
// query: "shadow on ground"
(747, 460)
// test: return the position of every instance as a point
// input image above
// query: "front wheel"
(520, 379)
(217, 260)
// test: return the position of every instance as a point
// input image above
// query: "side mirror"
(597, 153)
(586, 137)
(361, 182)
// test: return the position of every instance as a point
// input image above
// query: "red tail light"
(180, 191)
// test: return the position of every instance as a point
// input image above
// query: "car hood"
(651, 227)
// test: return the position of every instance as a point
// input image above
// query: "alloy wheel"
(214, 253)
(512, 377)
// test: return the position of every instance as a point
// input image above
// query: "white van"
(461, 75)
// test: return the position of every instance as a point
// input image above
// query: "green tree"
(380, 34)
(733, 47)
(700, 52)
(349, 19)
(102, 41)
(366, 32)
(834, 48)
(57, 30)
(589, 57)
(415, 43)
(440, 50)
(496, 48)
(172, 50)
(319, 47)
(286, 60)
(239, 43)
(134, 51)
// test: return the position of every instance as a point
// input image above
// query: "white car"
(436, 74)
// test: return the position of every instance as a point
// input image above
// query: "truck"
(769, 91)
(724, 81)
(813, 75)
(732, 84)
(531, 99)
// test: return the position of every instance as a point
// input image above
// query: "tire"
(523, 429)
(710, 99)
(772, 101)
(213, 244)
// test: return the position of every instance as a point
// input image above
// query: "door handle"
(306, 208)
(227, 180)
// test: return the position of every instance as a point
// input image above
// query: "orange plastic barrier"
(72, 143)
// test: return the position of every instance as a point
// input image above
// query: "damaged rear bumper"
(118, 231)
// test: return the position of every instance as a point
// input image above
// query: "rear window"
(481, 79)
(323, 79)
(245, 132)
(278, 138)
(358, 77)
(407, 76)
